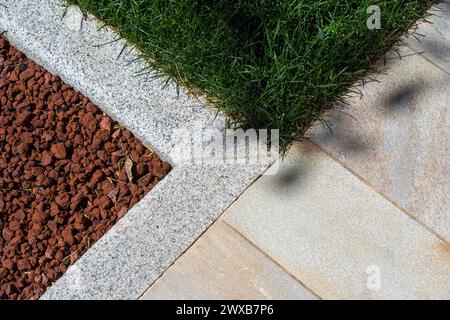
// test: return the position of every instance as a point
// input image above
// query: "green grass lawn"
(266, 63)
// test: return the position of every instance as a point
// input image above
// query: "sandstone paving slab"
(223, 265)
(433, 37)
(397, 138)
(338, 236)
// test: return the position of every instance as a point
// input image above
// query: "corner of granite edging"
(61, 289)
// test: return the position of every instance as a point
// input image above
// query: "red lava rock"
(23, 117)
(141, 169)
(7, 234)
(88, 121)
(36, 228)
(14, 76)
(47, 136)
(80, 222)
(113, 194)
(8, 264)
(27, 74)
(14, 225)
(10, 289)
(63, 200)
(106, 124)
(122, 176)
(62, 177)
(105, 202)
(54, 209)
(24, 148)
(68, 236)
(23, 265)
(49, 253)
(116, 134)
(46, 158)
(159, 168)
(59, 151)
(27, 137)
(75, 201)
(96, 177)
(122, 212)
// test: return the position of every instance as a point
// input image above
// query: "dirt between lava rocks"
(67, 174)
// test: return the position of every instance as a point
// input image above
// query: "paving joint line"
(382, 194)
(220, 217)
(240, 234)
(421, 54)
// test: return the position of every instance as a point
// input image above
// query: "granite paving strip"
(338, 236)
(433, 39)
(223, 265)
(397, 138)
(134, 253)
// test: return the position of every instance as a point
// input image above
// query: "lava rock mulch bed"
(67, 174)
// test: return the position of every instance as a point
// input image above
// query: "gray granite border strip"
(132, 255)
(124, 262)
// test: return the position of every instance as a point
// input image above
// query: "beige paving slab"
(398, 137)
(223, 265)
(341, 238)
(433, 39)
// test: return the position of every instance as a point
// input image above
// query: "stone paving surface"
(398, 136)
(434, 37)
(337, 235)
(223, 265)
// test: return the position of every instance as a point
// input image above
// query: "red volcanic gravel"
(64, 175)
